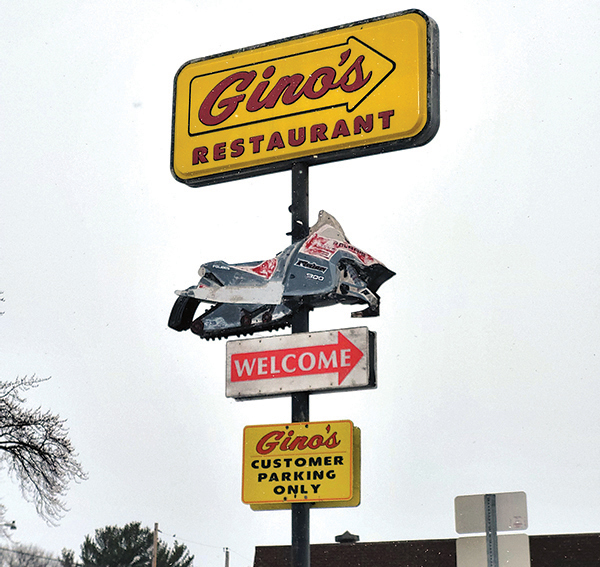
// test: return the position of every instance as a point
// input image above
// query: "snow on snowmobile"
(320, 270)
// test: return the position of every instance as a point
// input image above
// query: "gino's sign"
(301, 462)
(360, 89)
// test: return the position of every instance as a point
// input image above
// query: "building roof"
(570, 550)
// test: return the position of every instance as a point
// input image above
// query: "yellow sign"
(360, 89)
(299, 462)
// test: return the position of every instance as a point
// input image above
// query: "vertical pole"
(491, 530)
(155, 545)
(226, 550)
(300, 401)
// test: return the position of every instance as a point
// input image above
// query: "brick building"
(570, 550)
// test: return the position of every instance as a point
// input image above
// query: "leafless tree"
(20, 555)
(36, 450)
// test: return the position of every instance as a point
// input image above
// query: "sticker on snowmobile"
(322, 269)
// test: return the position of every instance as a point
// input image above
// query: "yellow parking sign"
(298, 462)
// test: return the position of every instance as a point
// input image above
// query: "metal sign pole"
(491, 530)
(300, 401)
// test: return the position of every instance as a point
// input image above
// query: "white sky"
(488, 339)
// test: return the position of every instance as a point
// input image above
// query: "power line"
(211, 546)
(18, 552)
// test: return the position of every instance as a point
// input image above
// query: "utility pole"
(226, 550)
(155, 545)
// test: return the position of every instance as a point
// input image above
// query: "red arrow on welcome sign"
(339, 358)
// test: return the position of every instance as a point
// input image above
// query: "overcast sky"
(488, 339)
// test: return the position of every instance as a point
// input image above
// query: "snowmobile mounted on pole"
(320, 270)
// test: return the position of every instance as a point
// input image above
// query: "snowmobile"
(320, 270)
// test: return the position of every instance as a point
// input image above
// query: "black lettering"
(338, 460)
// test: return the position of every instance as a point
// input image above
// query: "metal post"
(300, 401)
(491, 530)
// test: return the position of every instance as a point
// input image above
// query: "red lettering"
(385, 118)
(237, 147)
(292, 140)
(254, 103)
(332, 441)
(217, 106)
(273, 440)
(365, 124)
(295, 137)
(299, 443)
(317, 132)
(359, 82)
(229, 104)
(327, 76)
(264, 446)
(199, 155)
(286, 441)
(340, 129)
(276, 141)
(288, 87)
(256, 140)
(219, 151)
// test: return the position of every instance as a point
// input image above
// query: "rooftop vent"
(347, 537)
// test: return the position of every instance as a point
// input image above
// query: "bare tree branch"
(36, 449)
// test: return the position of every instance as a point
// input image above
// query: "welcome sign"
(360, 89)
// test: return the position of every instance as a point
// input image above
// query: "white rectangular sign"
(303, 362)
(511, 512)
(513, 551)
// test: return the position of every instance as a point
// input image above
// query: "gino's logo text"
(221, 103)
(279, 440)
